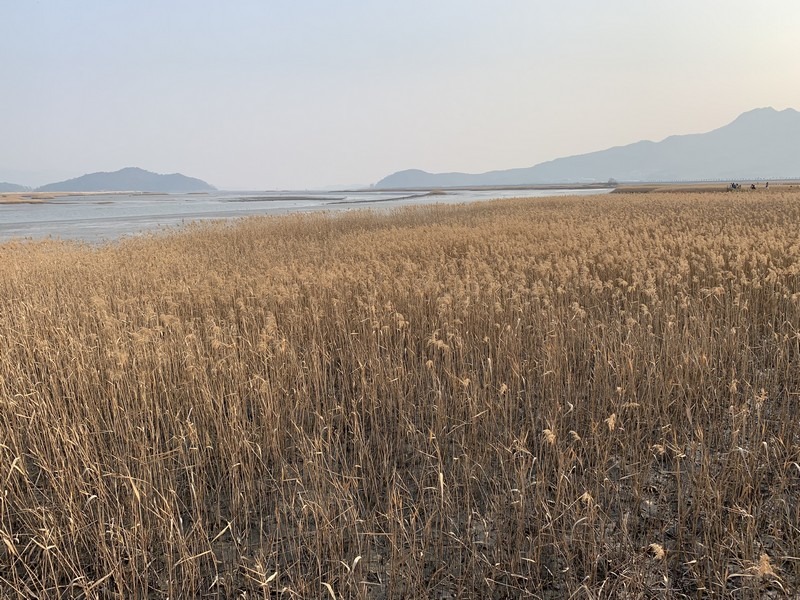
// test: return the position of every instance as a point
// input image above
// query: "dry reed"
(586, 397)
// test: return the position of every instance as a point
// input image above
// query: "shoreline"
(43, 197)
(704, 187)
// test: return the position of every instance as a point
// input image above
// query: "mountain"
(760, 144)
(129, 179)
(12, 187)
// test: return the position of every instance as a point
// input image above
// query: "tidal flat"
(100, 217)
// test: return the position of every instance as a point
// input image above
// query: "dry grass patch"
(19, 198)
(529, 398)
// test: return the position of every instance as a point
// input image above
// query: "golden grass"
(39, 197)
(19, 198)
(594, 396)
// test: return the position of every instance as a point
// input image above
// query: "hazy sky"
(302, 94)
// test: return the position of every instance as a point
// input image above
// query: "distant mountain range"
(12, 187)
(760, 144)
(130, 179)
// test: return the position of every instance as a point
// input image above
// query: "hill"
(12, 187)
(130, 179)
(760, 144)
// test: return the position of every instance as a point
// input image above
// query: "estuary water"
(107, 217)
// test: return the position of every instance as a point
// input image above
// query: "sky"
(306, 94)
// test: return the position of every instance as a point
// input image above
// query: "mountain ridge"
(12, 187)
(762, 143)
(129, 179)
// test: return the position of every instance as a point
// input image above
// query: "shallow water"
(100, 217)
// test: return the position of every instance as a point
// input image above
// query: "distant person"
(766, 186)
(752, 186)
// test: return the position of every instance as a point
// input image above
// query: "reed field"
(583, 397)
